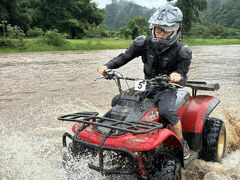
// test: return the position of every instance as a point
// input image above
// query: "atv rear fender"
(195, 111)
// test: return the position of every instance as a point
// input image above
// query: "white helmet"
(167, 17)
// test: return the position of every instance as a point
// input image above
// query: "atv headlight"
(152, 115)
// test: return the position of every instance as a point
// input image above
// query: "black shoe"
(185, 149)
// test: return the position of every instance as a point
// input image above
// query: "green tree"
(16, 12)
(191, 9)
(72, 16)
(138, 26)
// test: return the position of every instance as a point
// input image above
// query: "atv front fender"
(195, 111)
(135, 143)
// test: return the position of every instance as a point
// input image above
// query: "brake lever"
(176, 85)
(99, 78)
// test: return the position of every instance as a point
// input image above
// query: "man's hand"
(175, 77)
(101, 69)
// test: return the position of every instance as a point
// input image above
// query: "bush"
(53, 37)
(96, 32)
(5, 42)
(14, 32)
(13, 43)
(113, 34)
(216, 30)
(124, 32)
(213, 31)
(198, 31)
(35, 32)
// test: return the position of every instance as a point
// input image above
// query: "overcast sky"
(147, 3)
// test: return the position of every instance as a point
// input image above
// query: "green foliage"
(124, 32)
(16, 12)
(214, 31)
(96, 32)
(35, 45)
(5, 42)
(54, 38)
(3, 28)
(72, 16)
(138, 26)
(224, 12)
(118, 13)
(190, 9)
(35, 32)
(19, 44)
(114, 34)
(15, 32)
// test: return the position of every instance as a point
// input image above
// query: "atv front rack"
(91, 118)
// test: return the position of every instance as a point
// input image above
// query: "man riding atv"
(161, 53)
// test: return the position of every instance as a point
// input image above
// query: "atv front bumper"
(80, 146)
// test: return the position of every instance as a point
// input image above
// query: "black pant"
(166, 100)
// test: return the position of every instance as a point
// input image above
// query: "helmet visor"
(174, 27)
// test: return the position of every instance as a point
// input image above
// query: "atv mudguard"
(195, 111)
(193, 115)
(134, 143)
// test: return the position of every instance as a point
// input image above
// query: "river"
(35, 88)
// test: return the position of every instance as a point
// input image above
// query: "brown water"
(35, 88)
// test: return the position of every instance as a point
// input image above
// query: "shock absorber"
(141, 167)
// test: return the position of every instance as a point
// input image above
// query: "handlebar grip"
(108, 74)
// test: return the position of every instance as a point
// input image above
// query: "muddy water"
(35, 88)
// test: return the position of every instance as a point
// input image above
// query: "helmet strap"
(153, 32)
(173, 34)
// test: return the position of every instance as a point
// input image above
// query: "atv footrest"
(193, 156)
(91, 118)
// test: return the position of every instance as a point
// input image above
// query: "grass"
(36, 45)
(204, 42)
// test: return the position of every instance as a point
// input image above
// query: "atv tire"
(170, 170)
(214, 140)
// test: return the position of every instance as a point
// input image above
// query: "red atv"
(131, 138)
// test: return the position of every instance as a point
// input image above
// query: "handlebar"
(160, 80)
(110, 74)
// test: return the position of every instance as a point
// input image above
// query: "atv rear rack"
(201, 85)
(91, 118)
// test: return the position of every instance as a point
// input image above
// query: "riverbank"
(38, 45)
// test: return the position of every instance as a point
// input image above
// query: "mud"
(35, 88)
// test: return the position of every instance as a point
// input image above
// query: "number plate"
(140, 85)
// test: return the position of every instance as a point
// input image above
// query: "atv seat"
(182, 96)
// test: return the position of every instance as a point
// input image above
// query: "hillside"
(224, 12)
(118, 13)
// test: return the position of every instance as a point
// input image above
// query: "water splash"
(233, 130)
